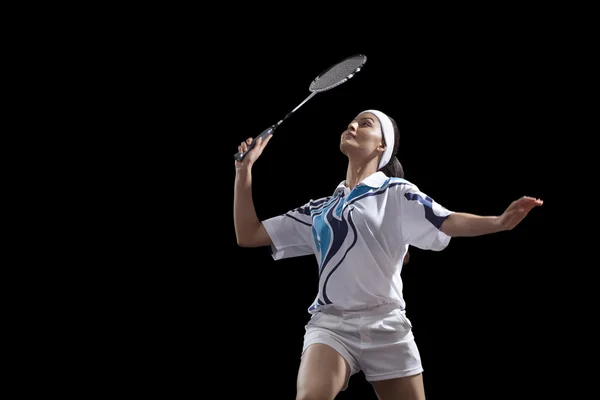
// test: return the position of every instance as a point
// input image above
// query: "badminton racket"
(328, 79)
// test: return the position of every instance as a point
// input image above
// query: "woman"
(360, 236)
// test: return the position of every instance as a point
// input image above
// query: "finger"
(260, 143)
(267, 140)
(530, 204)
(523, 201)
(249, 141)
(527, 199)
(244, 147)
(532, 200)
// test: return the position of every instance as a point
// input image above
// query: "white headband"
(387, 129)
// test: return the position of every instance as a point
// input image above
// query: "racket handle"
(240, 155)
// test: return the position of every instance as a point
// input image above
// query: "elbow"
(241, 242)
(253, 237)
(242, 238)
(245, 242)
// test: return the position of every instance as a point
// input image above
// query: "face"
(363, 137)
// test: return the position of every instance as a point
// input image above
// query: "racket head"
(338, 73)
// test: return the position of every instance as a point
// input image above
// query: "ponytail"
(393, 168)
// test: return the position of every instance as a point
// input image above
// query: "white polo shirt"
(359, 238)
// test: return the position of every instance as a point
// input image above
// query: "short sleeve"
(291, 233)
(421, 219)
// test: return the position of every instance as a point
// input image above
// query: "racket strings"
(337, 74)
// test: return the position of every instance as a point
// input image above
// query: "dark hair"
(393, 167)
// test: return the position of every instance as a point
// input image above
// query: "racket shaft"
(298, 106)
(240, 155)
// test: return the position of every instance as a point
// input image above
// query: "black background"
(476, 107)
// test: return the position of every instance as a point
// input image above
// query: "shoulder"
(319, 202)
(400, 190)
(313, 204)
(398, 185)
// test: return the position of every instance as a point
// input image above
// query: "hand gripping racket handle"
(263, 135)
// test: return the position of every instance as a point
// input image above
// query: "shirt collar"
(374, 180)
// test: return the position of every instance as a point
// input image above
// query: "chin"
(344, 148)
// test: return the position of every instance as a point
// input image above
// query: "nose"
(352, 126)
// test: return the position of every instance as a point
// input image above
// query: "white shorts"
(378, 341)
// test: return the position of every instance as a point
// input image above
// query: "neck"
(358, 171)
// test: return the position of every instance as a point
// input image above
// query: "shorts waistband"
(363, 312)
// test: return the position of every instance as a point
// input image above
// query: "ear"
(381, 147)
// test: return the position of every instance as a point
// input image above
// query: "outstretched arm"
(464, 224)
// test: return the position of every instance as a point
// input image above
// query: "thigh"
(322, 374)
(406, 388)
(391, 351)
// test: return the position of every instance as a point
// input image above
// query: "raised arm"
(249, 231)
(465, 224)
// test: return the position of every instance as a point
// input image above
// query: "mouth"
(347, 135)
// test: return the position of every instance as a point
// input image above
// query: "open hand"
(518, 210)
